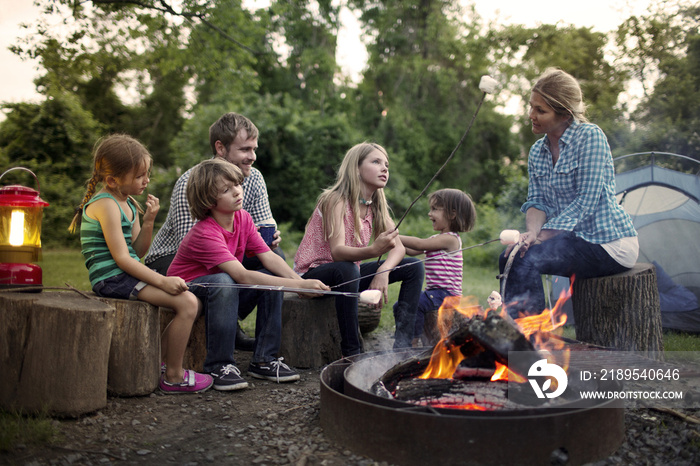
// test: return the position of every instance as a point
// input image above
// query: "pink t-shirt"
(315, 250)
(208, 244)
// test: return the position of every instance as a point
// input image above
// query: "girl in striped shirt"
(451, 212)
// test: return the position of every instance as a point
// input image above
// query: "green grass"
(17, 429)
(63, 266)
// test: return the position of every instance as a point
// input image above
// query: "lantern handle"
(26, 170)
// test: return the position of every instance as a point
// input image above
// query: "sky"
(16, 78)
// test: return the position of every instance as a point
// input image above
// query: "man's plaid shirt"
(179, 221)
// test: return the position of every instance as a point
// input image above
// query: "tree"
(420, 92)
(526, 52)
(51, 139)
(665, 43)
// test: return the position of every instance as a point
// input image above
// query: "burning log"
(480, 341)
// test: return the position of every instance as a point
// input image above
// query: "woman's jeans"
(334, 273)
(223, 305)
(564, 255)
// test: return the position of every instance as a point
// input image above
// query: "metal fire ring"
(388, 430)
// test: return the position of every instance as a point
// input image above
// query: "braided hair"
(116, 155)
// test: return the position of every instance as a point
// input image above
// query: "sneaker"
(228, 377)
(193, 382)
(162, 368)
(275, 370)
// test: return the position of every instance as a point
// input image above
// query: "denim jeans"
(334, 273)
(564, 255)
(222, 307)
(430, 301)
(411, 278)
(410, 273)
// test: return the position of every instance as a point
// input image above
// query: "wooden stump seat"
(620, 311)
(54, 351)
(310, 333)
(134, 355)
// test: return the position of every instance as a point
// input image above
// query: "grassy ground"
(66, 266)
(61, 267)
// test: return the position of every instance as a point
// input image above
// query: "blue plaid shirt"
(578, 193)
(179, 220)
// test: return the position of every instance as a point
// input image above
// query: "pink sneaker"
(194, 382)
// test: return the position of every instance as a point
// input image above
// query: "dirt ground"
(270, 424)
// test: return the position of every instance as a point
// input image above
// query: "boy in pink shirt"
(209, 260)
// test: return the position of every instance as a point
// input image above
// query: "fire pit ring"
(406, 434)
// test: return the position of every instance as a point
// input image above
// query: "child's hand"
(174, 285)
(381, 282)
(312, 284)
(386, 241)
(152, 207)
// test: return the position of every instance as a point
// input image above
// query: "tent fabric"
(665, 208)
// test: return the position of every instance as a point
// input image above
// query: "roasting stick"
(507, 237)
(487, 85)
(366, 297)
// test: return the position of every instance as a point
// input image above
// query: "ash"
(270, 424)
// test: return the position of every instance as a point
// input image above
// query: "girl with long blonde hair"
(348, 216)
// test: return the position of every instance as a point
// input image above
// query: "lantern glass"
(20, 226)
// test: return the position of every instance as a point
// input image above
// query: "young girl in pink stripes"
(451, 212)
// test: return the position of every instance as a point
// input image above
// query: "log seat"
(54, 351)
(620, 311)
(310, 333)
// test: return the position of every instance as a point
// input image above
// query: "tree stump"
(54, 352)
(134, 356)
(310, 333)
(620, 311)
(196, 350)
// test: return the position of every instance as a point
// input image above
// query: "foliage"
(419, 91)
(51, 139)
(665, 43)
(163, 72)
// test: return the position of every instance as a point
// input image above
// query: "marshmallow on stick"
(370, 297)
(510, 237)
(488, 84)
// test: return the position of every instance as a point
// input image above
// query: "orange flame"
(446, 357)
(504, 374)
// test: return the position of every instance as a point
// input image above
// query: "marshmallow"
(488, 84)
(510, 237)
(495, 301)
(370, 297)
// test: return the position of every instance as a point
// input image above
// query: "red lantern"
(20, 234)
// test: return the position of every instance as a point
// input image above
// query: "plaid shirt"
(578, 193)
(179, 220)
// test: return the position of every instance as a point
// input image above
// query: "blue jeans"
(430, 301)
(334, 273)
(564, 255)
(411, 278)
(222, 307)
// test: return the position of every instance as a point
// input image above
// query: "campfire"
(412, 406)
(468, 368)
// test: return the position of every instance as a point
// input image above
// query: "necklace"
(363, 202)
